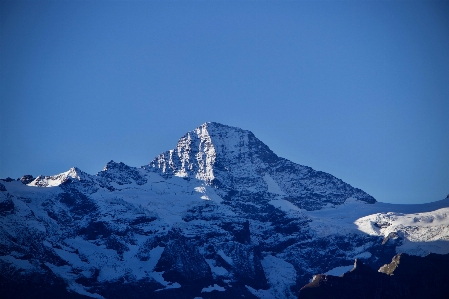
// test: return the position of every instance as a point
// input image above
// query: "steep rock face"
(220, 216)
(121, 174)
(405, 277)
(361, 282)
(33, 282)
(26, 179)
(236, 162)
(181, 262)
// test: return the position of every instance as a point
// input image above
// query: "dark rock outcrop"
(6, 206)
(8, 179)
(44, 283)
(405, 277)
(26, 179)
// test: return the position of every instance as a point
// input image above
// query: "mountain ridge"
(231, 159)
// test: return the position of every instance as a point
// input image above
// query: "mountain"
(405, 277)
(235, 163)
(220, 215)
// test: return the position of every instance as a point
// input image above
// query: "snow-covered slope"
(56, 180)
(220, 215)
(418, 233)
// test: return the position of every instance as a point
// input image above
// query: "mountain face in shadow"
(405, 277)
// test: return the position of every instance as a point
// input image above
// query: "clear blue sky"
(356, 89)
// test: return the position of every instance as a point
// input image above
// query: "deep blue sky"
(356, 89)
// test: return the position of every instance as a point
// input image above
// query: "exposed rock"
(6, 206)
(235, 161)
(25, 283)
(405, 277)
(26, 179)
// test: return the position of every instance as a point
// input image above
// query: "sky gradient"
(356, 89)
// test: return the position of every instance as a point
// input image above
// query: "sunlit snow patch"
(422, 233)
(65, 272)
(168, 285)
(208, 193)
(56, 180)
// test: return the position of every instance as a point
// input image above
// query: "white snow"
(423, 232)
(262, 294)
(343, 217)
(228, 259)
(168, 285)
(65, 272)
(111, 265)
(206, 155)
(425, 227)
(71, 257)
(216, 270)
(18, 263)
(284, 205)
(55, 180)
(280, 275)
(363, 255)
(215, 287)
(208, 193)
(338, 271)
(273, 187)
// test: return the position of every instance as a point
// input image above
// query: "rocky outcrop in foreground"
(405, 277)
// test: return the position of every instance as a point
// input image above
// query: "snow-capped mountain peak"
(234, 160)
(56, 180)
(194, 156)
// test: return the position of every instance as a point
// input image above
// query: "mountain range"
(219, 215)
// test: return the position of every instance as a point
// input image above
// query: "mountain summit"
(213, 150)
(234, 161)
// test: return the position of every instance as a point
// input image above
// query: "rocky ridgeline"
(237, 163)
